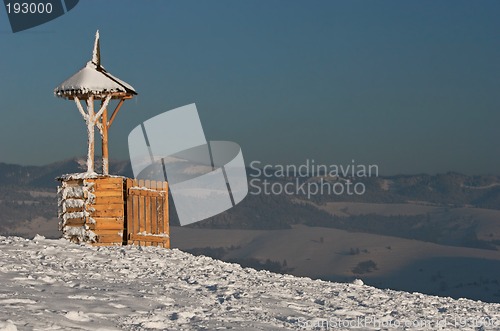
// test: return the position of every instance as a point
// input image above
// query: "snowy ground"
(55, 285)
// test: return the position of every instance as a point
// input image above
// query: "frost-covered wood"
(91, 120)
(93, 83)
(113, 210)
(96, 54)
(75, 211)
(91, 208)
(104, 204)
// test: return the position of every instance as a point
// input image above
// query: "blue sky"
(412, 86)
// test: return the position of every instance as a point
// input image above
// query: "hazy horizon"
(381, 174)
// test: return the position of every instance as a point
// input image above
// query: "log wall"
(99, 210)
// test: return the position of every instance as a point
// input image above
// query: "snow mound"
(358, 282)
(53, 284)
(7, 326)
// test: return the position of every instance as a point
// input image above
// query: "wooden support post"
(105, 151)
(115, 112)
(90, 132)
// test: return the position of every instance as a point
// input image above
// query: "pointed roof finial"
(96, 55)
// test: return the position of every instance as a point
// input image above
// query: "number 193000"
(28, 8)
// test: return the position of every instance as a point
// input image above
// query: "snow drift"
(53, 284)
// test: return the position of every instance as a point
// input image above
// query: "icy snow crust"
(56, 285)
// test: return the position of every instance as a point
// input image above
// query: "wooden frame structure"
(147, 213)
(104, 209)
(114, 211)
(93, 83)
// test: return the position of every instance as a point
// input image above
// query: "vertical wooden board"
(140, 219)
(135, 218)
(130, 211)
(154, 211)
(166, 226)
(160, 208)
(147, 206)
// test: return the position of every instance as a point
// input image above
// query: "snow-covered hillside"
(56, 285)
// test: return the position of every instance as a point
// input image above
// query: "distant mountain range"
(452, 189)
(441, 221)
(440, 208)
(45, 176)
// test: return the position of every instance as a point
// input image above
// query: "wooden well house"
(102, 209)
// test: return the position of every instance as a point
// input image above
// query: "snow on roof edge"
(93, 79)
(85, 175)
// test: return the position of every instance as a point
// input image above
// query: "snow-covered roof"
(93, 79)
